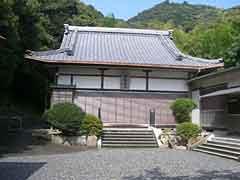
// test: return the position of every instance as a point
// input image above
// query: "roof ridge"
(212, 61)
(117, 30)
(50, 52)
(169, 49)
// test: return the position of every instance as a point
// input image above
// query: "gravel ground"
(120, 164)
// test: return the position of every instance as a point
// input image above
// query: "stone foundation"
(69, 141)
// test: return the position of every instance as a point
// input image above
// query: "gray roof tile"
(120, 46)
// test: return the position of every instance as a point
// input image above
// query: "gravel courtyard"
(120, 164)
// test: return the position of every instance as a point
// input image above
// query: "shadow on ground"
(25, 144)
(21, 171)
(156, 174)
(19, 143)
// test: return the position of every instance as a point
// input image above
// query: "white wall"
(90, 82)
(111, 82)
(196, 112)
(137, 84)
(64, 80)
(159, 80)
(167, 85)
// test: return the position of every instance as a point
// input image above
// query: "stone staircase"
(221, 146)
(128, 138)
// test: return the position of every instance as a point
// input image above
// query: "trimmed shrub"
(92, 126)
(187, 131)
(66, 117)
(182, 108)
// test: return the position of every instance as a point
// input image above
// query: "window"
(233, 105)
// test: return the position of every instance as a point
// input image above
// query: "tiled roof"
(117, 46)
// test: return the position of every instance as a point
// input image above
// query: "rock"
(172, 142)
(81, 140)
(57, 139)
(181, 147)
(77, 140)
(92, 141)
(67, 143)
(69, 140)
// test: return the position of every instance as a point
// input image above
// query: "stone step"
(118, 137)
(126, 129)
(128, 138)
(127, 133)
(237, 141)
(128, 142)
(130, 145)
(219, 150)
(216, 154)
(223, 146)
(224, 143)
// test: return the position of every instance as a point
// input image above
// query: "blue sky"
(128, 8)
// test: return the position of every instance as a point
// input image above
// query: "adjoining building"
(122, 75)
(218, 97)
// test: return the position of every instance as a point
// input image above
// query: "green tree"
(66, 117)
(34, 25)
(182, 108)
(207, 42)
(232, 57)
(59, 12)
(187, 131)
(110, 21)
(21, 24)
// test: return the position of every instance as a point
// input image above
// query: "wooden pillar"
(102, 78)
(56, 74)
(71, 79)
(147, 79)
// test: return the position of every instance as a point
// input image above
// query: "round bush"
(182, 108)
(187, 131)
(92, 126)
(66, 117)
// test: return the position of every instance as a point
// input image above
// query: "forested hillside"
(183, 15)
(220, 39)
(199, 30)
(35, 25)
(38, 25)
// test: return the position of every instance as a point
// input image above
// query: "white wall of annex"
(196, 113)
